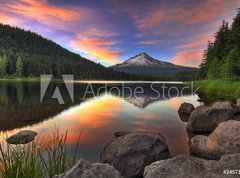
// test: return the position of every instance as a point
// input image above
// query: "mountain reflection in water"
(98, 117)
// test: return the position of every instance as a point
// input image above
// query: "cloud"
(190, 52)
(98, 48)
(165, 18)
(188, 58)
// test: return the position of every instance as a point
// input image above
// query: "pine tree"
(3, 62)
(19, 67)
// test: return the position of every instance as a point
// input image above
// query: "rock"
(85, 169)
(206, 118)
(225, 139)
(226, 105)
(183, 117)
(186, 108)
(22, 137)
(188, 166)
(130, 153)
(120, 133)
(198, 147)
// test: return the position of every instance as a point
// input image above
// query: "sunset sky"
(111, 31)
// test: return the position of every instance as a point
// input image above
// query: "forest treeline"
(27, 54)
(222, 57)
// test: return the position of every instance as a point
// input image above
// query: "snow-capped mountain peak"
(144, 60)
(145, 64)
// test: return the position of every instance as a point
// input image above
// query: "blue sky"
(111, 31)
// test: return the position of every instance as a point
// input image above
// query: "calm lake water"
(96, 117)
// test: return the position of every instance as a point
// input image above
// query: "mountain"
(27, 54)
(145, 64)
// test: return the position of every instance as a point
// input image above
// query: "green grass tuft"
(38, 158)
(210, 90)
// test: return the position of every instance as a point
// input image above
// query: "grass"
(38, 158)
(20, 79)
(210, 90)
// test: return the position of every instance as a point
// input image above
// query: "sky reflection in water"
(98, 118)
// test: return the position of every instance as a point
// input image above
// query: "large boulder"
(132, 152)
(22, 137)
(225, 139)
(85, 169)
(188, 166)
(186, 108)
(207, 118)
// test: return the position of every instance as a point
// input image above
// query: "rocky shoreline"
(214, 148)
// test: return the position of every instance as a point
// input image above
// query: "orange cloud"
(188, 58)
(46, 13)
(41, 10)
(191, 51)
(99, 49)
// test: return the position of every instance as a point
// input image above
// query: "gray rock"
(120, 133)
(188, 166)
(226, 105)
(85, 169)
(186, 108)
(198, 147)
(22, 137)
(130, 153)
(225, 139)
(183, 117)
(206, 118)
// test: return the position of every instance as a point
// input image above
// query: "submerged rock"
(206, 118)
(188, 166)
(22, 137)
(225, 139)
(186, 108)
(85, 169)
(130, 153)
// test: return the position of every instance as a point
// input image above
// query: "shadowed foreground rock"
(130, 153)
(225, 139)
(85, 169)
(188, 166)
(22, 137)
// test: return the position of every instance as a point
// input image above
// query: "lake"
(97, 111)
